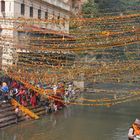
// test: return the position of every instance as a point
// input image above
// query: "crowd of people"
(14, 89)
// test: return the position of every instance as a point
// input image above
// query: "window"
(73, 3)
(46, 15)
(31, 11)
(53, 17)
(22, 9)
(39, 14)
(64, 19)
(58, 19)
(2, 6)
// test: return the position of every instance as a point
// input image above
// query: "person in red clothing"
(14, 84)
(20, 94)
(37, 98)
(24, 100)
(58, 101)
(33, 100)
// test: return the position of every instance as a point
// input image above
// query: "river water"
(78, 123)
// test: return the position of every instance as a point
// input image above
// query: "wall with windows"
(54, 12)
(6, 8)
(44, 11)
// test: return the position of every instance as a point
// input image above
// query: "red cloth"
(14, 84)
(33, 100)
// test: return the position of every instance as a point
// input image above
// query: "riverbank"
(78, 122)
(31, 103)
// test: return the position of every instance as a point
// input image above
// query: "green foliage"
(89, 9)
(130, 2)
(92, 7)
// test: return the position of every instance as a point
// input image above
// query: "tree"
(89, 9)
(109, 5)
(94, 6)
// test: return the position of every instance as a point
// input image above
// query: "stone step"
(12, 117)
(21, 118)
(31, 107)
(35, 110)
(7, 113)
(41, 113)
(5, 105)
(38, 110)
(6, 109)
(10, 122)
(8, 117)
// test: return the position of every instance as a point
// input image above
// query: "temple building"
(23, 23)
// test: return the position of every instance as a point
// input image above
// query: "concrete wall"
(6, 43)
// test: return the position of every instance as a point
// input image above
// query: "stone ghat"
(8, 116)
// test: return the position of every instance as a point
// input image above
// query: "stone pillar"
(7, 44)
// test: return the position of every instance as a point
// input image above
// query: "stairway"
(7, 115)
(39, 110)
